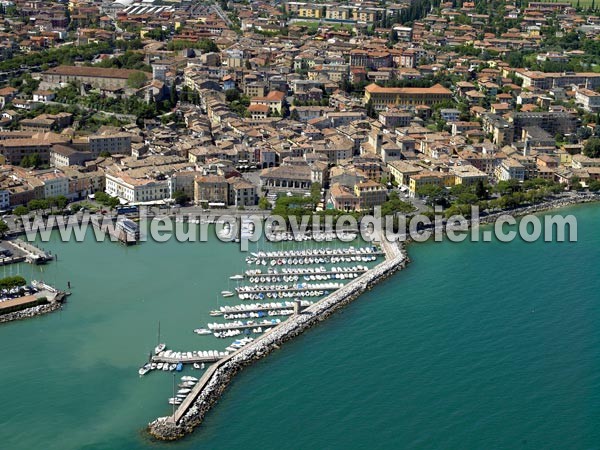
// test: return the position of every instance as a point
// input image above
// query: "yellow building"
(370, 194)
(468, 175)
(382, 97)
(419, 180)
(313, 12)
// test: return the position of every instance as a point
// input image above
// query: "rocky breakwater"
(562, 202)
(215, 380)
(30, 312)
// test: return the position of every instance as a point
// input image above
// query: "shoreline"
(549, 205)
(213, 383)
(29, 313)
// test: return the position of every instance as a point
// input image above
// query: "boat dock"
(24, 251)
(243, 326)
(186, 360)
(317, 254)
(305, 272)
(308, 287)
(258, 308)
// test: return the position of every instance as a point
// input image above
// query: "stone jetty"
(209, 388)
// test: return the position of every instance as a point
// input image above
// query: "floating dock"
(24, 251)
(186, 360)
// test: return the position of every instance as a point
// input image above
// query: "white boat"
(202, 331)
(236, 277)
(196, 366)
(188, 378)
(184, 391)
(159, 348)
(172, 367)
(227, 294)
(145, 369)
(202, 366)
(175, 401)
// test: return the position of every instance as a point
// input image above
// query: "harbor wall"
(30, 312)
(584, 197)
(210, 387)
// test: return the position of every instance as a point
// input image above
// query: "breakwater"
(562, 202)
(30, 312)
(210, 387)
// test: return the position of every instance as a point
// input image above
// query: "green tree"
(180, 197)
(315, 193)
(136, 80)
(232, 95)
(593, 186)
(3, 228)
(263, 203)
(20, 210)
(592, 148)
(480, 190)
(433, 193)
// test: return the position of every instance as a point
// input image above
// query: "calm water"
(475, 345)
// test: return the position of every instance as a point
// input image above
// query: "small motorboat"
(145, 369)
(227, 294)
(202, 331)
(159, 348)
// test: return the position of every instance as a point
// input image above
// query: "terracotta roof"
(98, 72)
(435, 89)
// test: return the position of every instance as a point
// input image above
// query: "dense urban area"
(297, 106)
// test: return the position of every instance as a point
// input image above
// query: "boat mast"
(174, 396)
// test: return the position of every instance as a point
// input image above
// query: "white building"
(55, 184)
(588, 99)
(136, 190)
(510, 169)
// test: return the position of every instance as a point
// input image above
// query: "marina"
(257, 307)
(257, 319)
(191, 411)
(209, 356)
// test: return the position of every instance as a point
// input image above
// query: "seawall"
(30, 312)
(210, 387)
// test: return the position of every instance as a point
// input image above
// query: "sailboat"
(160, 346)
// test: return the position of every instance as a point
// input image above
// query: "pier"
(24, 251)
(209, 388)
(186, 360)
(308, 287)
(262, 307)
(245, 326)
(304, 272)
(315, 254)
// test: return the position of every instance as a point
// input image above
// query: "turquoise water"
(475, 345)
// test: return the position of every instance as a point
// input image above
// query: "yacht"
(188, 378)
(236, 277)
(202, 331)
(227, 294)
(159, 348)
